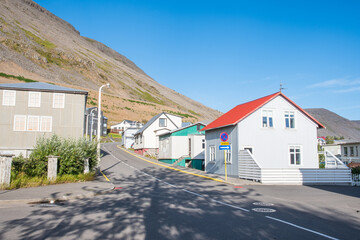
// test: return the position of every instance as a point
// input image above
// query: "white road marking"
(306, 229)
(223, 203)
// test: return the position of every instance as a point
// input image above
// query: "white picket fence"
(337, 174)
(356, 179)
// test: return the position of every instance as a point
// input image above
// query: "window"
(228, 155)
(45, 124)
(212, 153)
(19, 123)
(9, 98)
(267, 118)
(162, 122)
(352, 151)
(295, 155)
(34, 99)
(289, 119)
(345, 151)
(33, 123)
(203, 143)
(59, 100)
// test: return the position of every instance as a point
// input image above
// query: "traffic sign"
(224, 143)
(224, 136)
(224, 147)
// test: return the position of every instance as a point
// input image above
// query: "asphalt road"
(153, 202)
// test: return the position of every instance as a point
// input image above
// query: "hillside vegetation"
(37, 45)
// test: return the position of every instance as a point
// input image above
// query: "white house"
(350, 152)
(128, 138)
(184, 146)
(125, 124)
(272, 140)
(146, 138)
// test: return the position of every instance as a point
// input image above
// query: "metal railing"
(331, 161)
(356, 179)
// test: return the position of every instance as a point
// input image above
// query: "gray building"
(29, 111)
(91, 122)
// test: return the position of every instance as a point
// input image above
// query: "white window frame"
(288, 119)
(268, 114)
(212, 154)
(28, 123)
(295, 147)
(17, 117)
(55, 99)
(9, 100)
(165, 122)
(229, 155)
(42, 119)
(31, 102)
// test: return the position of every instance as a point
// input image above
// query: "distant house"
(350, 152)
(122, 126)
(128, 138)
(186, 145)
(271, 140)
(321, 141)
(29, 111)
(91, 122)
(147, 138)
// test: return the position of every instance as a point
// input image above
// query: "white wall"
(128, 137)
(271, 145)
(151, 133)
(196, 146)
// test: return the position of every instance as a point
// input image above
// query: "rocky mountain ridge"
(36, 44)
(335, 124)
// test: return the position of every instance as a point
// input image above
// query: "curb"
(60, 198)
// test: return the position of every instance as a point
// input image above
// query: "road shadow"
(157, 203)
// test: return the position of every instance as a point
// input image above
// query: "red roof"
(241, 111)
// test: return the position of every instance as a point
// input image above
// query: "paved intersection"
(153, 202)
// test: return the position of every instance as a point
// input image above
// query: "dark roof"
(40, 87)
(146, 125)
(240, 112)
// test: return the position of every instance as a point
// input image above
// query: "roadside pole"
(224, 145)
(225, 165)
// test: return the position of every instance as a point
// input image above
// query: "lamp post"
(87, 123)
(99, 123)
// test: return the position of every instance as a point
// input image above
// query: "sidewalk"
(56, 192)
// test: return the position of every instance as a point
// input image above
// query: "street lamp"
(87, 123)
(99, 122)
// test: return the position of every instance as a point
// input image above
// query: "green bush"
(71, 154)
(355, 170)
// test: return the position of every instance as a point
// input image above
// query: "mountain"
(335, 124)
(37, 45)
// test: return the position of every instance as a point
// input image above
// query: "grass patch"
(148, 97)
(51, 59)
(139, 102)
(180, 114)
(21, 78)
(44, 43)
(21, 180)
(192, 112)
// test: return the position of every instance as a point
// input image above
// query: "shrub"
(355, 170)
(71, 154)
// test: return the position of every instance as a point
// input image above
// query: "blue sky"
(223, 53)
